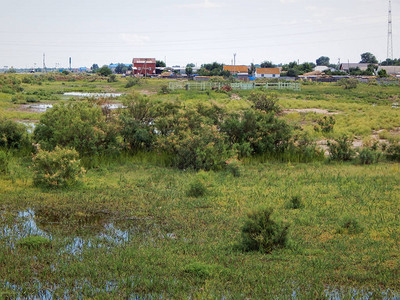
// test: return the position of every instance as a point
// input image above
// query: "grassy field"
(130, 230)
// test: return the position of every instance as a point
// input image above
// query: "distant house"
(236, 69)
(347, 66)
(144, 66)
(201, 78)
(323, 68)
(268, 73)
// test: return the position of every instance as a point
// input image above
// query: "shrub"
(196, 188)
(60, 167)
(392, 152)
(325, 124)
(34, 242)
(112, 78)
(350, 225)
(233, 167)
(368, 156)
(341, 149)
(13, 134)
(199, 269)
(348, 83)
(265, 102)
(295, 203)
(78, 125)
(4, 162)
(132, 82)
(261, 233)
(164, 90)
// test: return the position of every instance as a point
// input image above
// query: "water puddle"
(30, 125)
(40, 108)
(94, 95)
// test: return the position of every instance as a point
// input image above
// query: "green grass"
(344, 233)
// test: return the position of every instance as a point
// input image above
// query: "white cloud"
(134, 39)
(205, 4)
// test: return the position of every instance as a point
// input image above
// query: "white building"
(268, 73)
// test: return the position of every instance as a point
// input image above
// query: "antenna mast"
(390, 35)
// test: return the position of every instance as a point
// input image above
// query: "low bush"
(132, 81)
(4, 162)
(267, 102)
(349, 225)
(295, 202)
(261, 233)
(164, 90)
(196, 188)
(341, 149)
(392, 152)
(348, 83)
(57, 168)
(13, 135)
(368, 156)
(325, 124)
(112, 78)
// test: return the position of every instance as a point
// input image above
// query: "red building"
(144, 66)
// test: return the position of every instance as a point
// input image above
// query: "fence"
(202, 86)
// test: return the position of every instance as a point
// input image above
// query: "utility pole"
(234, 62)
(390, 33)
(44, 63)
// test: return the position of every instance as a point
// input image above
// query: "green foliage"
(121, 69)
(341, 149)
(350, 225)
(13, 135)
(348, 83)
(261, 233)
(79, 125)
(65, 72)
(132, 81)
(104, 71)
(34, 242)
(267, 64)
(10, 84)
(233, 166)
(325, 124)
(137, 128)
(295, 202)
(112, 78)
(197, 188)
(160, 64)
(57, 168)
(323, 61)
(369, 58)
(382, 73)
(4, 162)
(200, 270)
(256, 132)
(393, 152)
(164, 90)
(368, 156)
(265, 101)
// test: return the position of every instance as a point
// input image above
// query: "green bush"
(34, 242)
(348, 83)
(196, 188)
(265, 101)
(349, 225)
(341, 149)
(392, 152)
(368, 156)
(325, 124)
(13, 135)
(261, 233)
(164, 90)
(132, 81)
(295, 202)
(112, 78)
(78, 125)
(4, 162)
(57, 168)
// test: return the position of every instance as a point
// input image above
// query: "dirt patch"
(310, 110)
(235, 97)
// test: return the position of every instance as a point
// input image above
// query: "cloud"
(205, 4)
(134, 39)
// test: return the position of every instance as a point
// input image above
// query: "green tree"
(160, 64)
(191, 65)
(104, 71)
(94, 68)
(323, 61)
(267, 64)
(189, 71)
(368, 58)
(121, 69)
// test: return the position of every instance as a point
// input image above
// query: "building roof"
(268, 71)
(347, 66)
(144, 60)
(241, 69)
(392, 70)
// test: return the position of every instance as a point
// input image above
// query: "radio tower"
(390, 36)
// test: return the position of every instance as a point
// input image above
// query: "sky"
(193, 31)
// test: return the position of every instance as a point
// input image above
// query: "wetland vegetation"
(169, 193)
